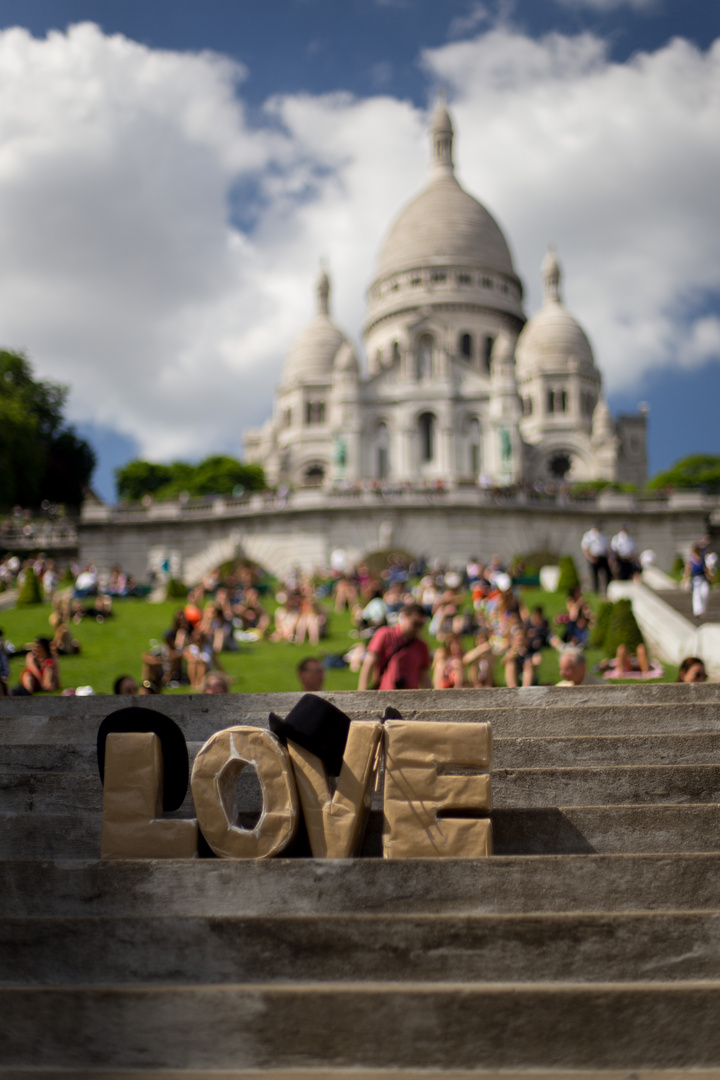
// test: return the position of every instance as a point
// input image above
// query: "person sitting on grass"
(311, 674)
(215, 682)
(40, 673)
(200, 658)
(448, 667)
(125, 685)
(310, 621)
(692, 669)
(518, 660)
(625, 662)
(573, 668)
(480, 661)
(253, 614)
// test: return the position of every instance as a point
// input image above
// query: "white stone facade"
(457, 388)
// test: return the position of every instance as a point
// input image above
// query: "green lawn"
(115, 648)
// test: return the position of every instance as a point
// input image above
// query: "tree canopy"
(41, 457)
(216, 475)
(695, 471)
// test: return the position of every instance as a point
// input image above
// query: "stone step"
(610, 947)
(364, 1025)
(560, 830)
(218, 887)
(225, 706)
(508, 753)
(601, 750)
(610, 785)
(516, 712)
(366, 1074)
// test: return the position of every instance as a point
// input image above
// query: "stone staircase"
(588, 945)
(681, 601)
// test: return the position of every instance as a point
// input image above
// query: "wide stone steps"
(278, 887)
(571, 751)
(78, 793)
(590, 947)
(508, 722)
(589, 944)
(350, 1025)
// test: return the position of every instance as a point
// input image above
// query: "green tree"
(568, 575)
(622, 629)
(41, 457)
(139, 478)
(30, 593)
(695, 471)
(216, 475)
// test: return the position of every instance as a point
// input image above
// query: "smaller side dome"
(312, 356)
(552, 338)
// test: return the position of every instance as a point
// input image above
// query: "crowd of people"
(485, 635)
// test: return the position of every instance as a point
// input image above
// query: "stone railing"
(354, 496)
(38, 535)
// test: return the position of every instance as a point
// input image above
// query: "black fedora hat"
(317, 726)
(174, 748)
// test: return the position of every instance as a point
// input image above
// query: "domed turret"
(312, 356)
(602, 422)
(552, 340)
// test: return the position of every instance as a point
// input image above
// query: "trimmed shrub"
(533, 562)
(599, 630)
(31, 592)
(568, 575)
(678, 567)
(176, 589)
(622, 629)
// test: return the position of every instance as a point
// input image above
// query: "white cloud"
(123, 274)
(610, 5)
(461, 25)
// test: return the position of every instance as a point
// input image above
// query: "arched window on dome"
(395, 351)
(424, 359)
(563, 401)
(551, 401)
(426, 428)
(487, 351)
(466, 346)
(382, 450)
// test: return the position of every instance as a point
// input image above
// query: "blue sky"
(172, 173)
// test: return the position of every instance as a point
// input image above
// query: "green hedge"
(569, 578)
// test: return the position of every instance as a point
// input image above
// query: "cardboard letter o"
(214, 775)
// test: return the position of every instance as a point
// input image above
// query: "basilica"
(458, 387)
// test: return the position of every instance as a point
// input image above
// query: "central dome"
(444, 225)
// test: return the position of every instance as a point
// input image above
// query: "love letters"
(436, 799)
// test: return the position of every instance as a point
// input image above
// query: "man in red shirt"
(397, 658)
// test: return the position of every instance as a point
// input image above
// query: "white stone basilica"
(459, 388)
